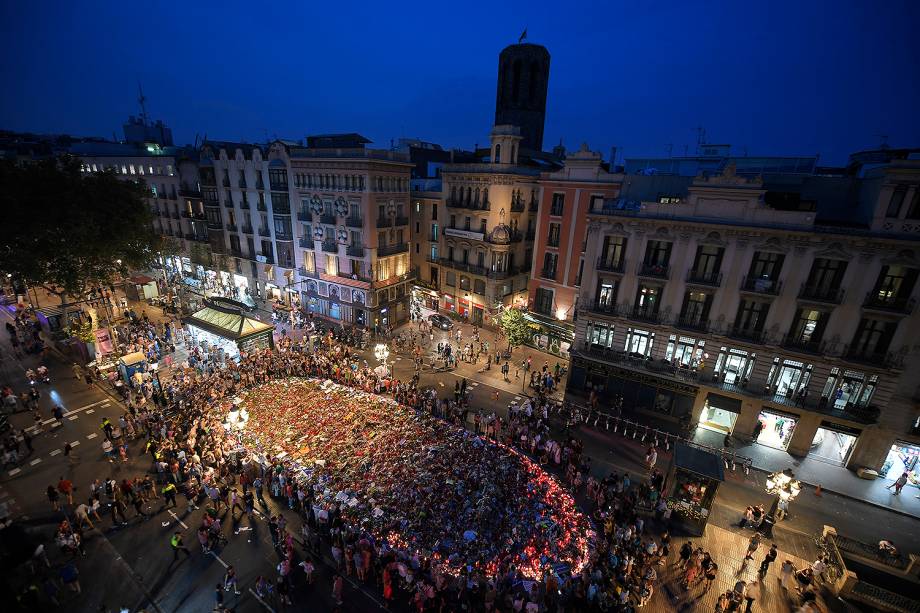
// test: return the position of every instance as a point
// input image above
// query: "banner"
(103, 341)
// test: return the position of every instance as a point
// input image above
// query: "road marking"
(256, 596)
(75, 443)
(45, 422)
(91, 436)
(73, 417)
(219, 560)
(35, 461)
(176, 517)
(55, 452)
(15, 472)
(91, 411)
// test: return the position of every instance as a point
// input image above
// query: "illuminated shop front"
(693, 480)
(776, 428)
(222, 329)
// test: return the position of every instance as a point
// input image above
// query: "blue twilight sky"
(771, 77)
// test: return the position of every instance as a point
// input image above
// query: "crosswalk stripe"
(91, 411)
(55, 452)
(15, 472)
(75, 443)
(73, 417)
(35, 461)
(91, 436)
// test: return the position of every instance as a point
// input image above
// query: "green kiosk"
(693, 480)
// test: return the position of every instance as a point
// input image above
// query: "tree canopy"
(515, 327)
(66, 230)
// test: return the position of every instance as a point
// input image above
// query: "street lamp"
(382, 352)
(784, 486)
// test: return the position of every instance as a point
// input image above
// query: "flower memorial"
(420, 484)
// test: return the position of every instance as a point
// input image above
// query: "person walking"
(751, 548)
(177, 545)
(70, 455)
(898, 484)
(338, 585)
(65, 487)
(751, 591)
(230, 580)
(53, 497)
(767, 560)
(169, 493)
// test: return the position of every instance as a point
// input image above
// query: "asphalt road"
(132, 565)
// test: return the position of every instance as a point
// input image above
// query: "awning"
(140, 279)
(226, 320)
(133, 358)
(698, 461)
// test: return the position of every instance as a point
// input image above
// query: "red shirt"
(65, 486)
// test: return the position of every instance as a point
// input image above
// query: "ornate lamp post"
(784, 486)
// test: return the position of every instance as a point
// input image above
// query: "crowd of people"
(396, 493)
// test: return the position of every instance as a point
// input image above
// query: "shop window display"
(774, 429)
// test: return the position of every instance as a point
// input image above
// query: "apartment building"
(426, 223)
(488, 227)
(785, 298)
(351, 236)
(247, 204)
(568, 194)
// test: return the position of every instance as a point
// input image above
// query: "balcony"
(870, 357)
(303, 272)
(645, 314)
(215, 225)
(655, 271)
(244, 204)
(695, 323)
(746, 334)
(354, 222)
(889, 304)
(484, 205)
(305, 243)
(327, 218)
(247, 230)
(269, 259)
(702, 277)
(265, 232)
(236, 252)
(402, 221)
(548, 274)
(355, 251)
(304, 215)
(761, 285)
(384, 222)
(797, 343)
(330, 247)
(830, 295)
(232, 227)
(187, 214)
(261, 206)
(605, 265)
(277, 186)
(353, 276)
(386, 250)
(604, 308)
(517, 207)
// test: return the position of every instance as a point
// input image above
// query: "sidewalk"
(830, 477)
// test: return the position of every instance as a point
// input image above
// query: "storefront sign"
(104, 341)
(464, 234)
(638, 377)
(841, 428)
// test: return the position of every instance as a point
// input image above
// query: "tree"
(69, 231)
(514, 326)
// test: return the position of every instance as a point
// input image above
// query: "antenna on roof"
(142, 100)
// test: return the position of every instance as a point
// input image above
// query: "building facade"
(488, 227)
(743, 299)
(562, 221)
(352, 232)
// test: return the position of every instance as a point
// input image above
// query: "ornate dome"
(500, 234)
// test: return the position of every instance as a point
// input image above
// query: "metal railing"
(703, 277)
(651, 269)
(833, 295)
(356, 251)
(305, 243)
(893, 304)
(617, 266)
(385, 250)
(760, 285)
(330, 247)
(354, 222)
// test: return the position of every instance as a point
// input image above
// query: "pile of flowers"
(423, 485)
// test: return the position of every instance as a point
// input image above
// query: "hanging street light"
(784, 487)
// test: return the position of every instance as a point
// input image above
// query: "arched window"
(469, 194)
(485, 196)
(476, 196)
(498, 154)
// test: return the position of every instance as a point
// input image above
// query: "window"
(913, 212)
(600, 335)
(826, 275)
(606, 295)
(434, 253)
(450, 278)
(894, 285)
(558, 205)
(466, 223)
(668, 199)
(597, 203)
(695, 311)
(647, 300)
(751, 316)
(658, 253)
(808, 327)
(464, 282)
(550, 261)
(707, 263)
(639, 342)
(612, 252)
(309, 261)
(765, 266)
(553, 238)
(434, 212)
(872, 338)
(543, 301)
(479, 287)
(332, 264)
(894, 205)
(278, 178)
(581, 270)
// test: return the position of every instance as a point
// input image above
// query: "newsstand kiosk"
(693, 480)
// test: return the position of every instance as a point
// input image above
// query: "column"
(804, 434)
